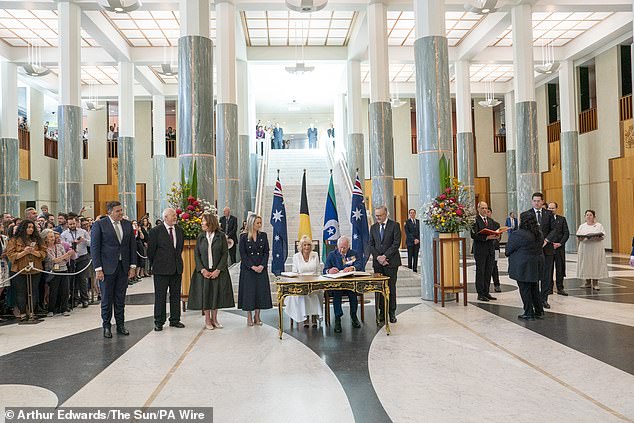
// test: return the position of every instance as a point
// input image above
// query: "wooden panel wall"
(110, 191)
(482, 190)
(551, 179)
(622, 191)
(398, 210)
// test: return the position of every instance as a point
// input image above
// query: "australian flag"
(280, 237)
(359, 221)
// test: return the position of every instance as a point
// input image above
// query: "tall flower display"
(189, 209)
(452, 211)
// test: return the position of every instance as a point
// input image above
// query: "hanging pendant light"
(489, 93)
(34, 66)
(480, 7)
(93, 100)
(549, 65)
(119, 6)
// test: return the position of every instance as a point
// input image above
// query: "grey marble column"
(382, 155)
(465, 156)
(159, 192)
(511, 181)
(570, 184)
(433, 123)
(356, 156)
(227, 155)
(9, 176)
(528, 176)
(195, 113)
(69, 158)
(127, 176)
(245, 180)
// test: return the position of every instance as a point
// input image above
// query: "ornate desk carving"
(304, 285)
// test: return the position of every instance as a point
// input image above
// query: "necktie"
(539, 217)
(172, 235)
(485, 221)
(382, 231)
(117, 229)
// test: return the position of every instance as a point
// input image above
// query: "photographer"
(79, 240)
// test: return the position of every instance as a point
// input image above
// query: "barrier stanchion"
(31, 319)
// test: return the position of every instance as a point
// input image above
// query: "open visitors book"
(500, 231)
(345, 274)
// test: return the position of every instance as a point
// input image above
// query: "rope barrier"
(16, 274)
(29, 268)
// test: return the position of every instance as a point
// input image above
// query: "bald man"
(483, 251)
(229, 225)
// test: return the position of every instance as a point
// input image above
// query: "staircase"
(291, 164)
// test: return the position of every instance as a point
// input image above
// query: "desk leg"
(280, 301)
(386, 309)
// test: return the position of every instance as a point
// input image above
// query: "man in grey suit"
(113, 251)
(385, 241)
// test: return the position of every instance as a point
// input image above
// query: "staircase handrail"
(339, 160)
(262, 175)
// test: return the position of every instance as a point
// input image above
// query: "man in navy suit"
(385, 241)
(278, 136)
(412, 240)
(512, 223)
(546, 223)
(343, 259)
(113, 251)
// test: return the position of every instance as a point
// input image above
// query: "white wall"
(541, 97)
(406, 163)
(490, 164)
(95, 167)
(597, 147)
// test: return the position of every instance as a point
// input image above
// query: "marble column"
(528, 176)
(381, 141)
(244, 130)
(159, 193)
(433, 117)
(570, 208)
(464, 128)
(355, 146)
(125, 143)
(227, 144)
(69, 112)
(511, 174)
(9, 153)
(196, 146)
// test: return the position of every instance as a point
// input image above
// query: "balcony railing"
(554, 131)
(113, 151)
(499, 143)
(50, 148)
(588, 121)
(170, 148)
(24, 139)
(625, 107)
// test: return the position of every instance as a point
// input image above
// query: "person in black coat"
(164, 250)
(483, 251)
(385, 241)
(526, 264)
(562, 234)
(495, 273)
(412, 240)
(254, 289)
(546, 223)
(229, 225)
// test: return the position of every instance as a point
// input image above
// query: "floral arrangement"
(189, 209)
(453, 210)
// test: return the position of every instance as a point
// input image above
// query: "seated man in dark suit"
(483, 251)
(113, 251)
(343, 259)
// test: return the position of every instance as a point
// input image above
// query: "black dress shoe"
(482, 298)
(392, 318)
(176, 325)
(107, 333)
(355, 321)
(158, 327)
(546, 305)
(562, 292)
(84, 304)
(381, 318)
(497, 289)
(526, 317)
(539, 316)
(338, 325)
(491, 297)
(121, 330)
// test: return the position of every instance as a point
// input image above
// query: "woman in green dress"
(211, 286)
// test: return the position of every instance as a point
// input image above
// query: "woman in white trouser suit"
(301, 307)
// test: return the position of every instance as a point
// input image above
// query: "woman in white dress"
(591, 262)
(301, 307)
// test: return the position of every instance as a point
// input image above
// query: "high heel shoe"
(209, 327)
(249, 323)
(259, 323)
(217, 325)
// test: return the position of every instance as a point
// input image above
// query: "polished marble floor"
(454, 364)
